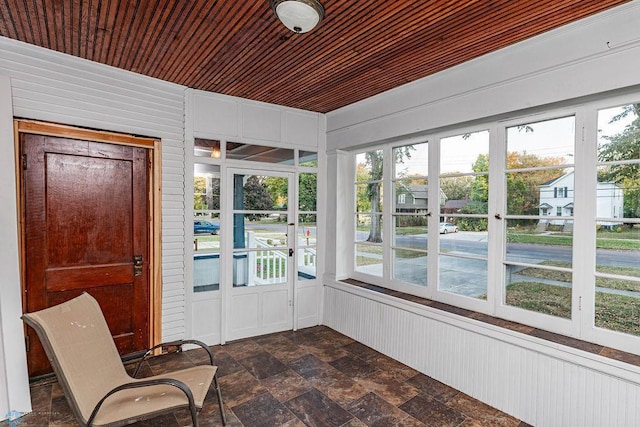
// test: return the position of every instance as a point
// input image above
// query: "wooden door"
(85, 212)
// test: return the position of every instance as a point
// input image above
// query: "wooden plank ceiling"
(240, 48)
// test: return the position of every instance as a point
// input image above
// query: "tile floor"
(313, 377)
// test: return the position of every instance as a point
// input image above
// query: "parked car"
(447, 227)
(205, 227)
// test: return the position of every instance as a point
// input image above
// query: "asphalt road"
(476, 244)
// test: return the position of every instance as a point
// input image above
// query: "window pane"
(308, 158)
(410, 266)
(259, 153)
(263, 267)
(618, 130)
(464, 194)
(536, 242)
(617, 305)
(411, 160)
(307, 229)
(540, 290)
(617, 302)
(465, 153)
(206, 148)
(307, 191)
(206, 187)
(412, 196)
(206, 253)
(463, 276)
(369, 166)
(541, 192)
(206, 227)
(369, 197)
(368, 228)
(369, 259)
(545, 143)
(410, 231)
(307, 259)
(248, 233)
(260, 193)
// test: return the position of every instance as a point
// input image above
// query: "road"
(476, 244)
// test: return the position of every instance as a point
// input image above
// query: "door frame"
(227, 236)
(155, 203)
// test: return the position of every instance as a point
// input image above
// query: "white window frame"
(581, 324)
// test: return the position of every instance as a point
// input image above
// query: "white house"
(556, 200)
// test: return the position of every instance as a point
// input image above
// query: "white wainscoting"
(539, 382)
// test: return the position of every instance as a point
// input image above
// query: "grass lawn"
(629, 239)
(601, 282)
(615, 312)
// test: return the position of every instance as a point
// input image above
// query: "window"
(307, 225)
(546, 191)
(617, 223)
(538, 257)
(368, 215)
(206, 227)
(464, 198)
(409, 243)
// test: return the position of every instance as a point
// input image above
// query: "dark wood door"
(86, 210)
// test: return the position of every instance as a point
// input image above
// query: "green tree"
(624, 146)
(457, 187)
(256, 197)
(278, 188)
(308, 192)
(373, 167)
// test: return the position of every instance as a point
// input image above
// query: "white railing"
(269, 266)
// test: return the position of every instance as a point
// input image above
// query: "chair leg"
(215, 381)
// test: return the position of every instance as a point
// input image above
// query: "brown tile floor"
(314, 377)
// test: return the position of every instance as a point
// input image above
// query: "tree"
(624, 146)
(256, 197)
(373, 165)
(523, 188)
(278, 190)
(457, 187)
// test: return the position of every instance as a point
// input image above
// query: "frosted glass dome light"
(299, 16)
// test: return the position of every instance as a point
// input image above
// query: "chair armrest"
(147, 383)
(179, 344)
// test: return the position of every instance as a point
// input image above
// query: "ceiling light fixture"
(299, 16)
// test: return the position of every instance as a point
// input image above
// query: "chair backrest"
(79, 346)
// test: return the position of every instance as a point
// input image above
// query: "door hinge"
(24, 161)
(580, 303)
(26, 343)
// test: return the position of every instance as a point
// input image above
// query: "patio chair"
(79, 346)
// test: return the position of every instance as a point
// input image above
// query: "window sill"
(610, 353)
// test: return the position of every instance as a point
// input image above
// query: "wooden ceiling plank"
(110, 8)
(224, 44)
(480, 44)
(163, 38)
(385, 25)
(358, 67)
(461, 41)
(289, 42)
(150, 35)
(207, 44)
(188, 41)
(8, 26)
(279, 64)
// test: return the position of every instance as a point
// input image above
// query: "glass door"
(259, 297)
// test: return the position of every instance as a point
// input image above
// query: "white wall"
(539, 382)
(47, 85)
(14, 395)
